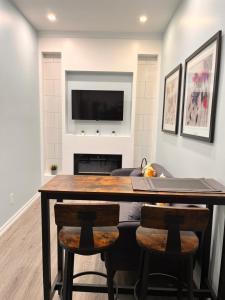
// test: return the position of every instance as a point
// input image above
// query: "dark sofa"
(125, 253)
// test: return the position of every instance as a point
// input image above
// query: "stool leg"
(140, 271)
(179, 292)
(180, 277)
(144, 280)
(190, 278)
(68, 276)
(141, 262)
(110, 275)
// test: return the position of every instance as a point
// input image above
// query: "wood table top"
(89, 183)
(119, 188)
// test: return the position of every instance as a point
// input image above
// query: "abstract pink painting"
(171, 100)
(200, 90)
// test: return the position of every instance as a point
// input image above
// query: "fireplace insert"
(96, 164)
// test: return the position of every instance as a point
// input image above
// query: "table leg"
(221, 288)
(46, 254)
(205, 254)
(59, 251)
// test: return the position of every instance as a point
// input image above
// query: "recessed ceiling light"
(143, 19)
(51, 17)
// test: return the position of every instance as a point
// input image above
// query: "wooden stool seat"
(103, 238)
(156, 240)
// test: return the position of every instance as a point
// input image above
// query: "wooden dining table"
(115, 188)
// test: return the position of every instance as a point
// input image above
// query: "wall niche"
(51, 111)
(85, 80)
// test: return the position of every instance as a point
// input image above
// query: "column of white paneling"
(52, 114)
(145, 116)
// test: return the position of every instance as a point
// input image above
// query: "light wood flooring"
(21, 264)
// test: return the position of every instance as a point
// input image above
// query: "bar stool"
(168, 231)
(87, 229)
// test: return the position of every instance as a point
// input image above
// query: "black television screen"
(97, 105)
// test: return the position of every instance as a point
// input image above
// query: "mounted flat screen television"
(97, 105)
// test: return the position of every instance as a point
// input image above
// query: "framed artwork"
(171, 102)
(200, 90)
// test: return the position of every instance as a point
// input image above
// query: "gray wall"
(19, 111)
(193, 24)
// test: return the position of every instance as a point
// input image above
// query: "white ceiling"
(115, 16)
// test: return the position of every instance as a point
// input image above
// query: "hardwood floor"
(21, 264)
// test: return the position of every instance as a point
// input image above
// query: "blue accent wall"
(20, 173)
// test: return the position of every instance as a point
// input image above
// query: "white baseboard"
(13, 219)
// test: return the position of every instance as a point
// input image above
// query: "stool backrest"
(87, 216)
(188, 218)
(174, 219)
(75, 215)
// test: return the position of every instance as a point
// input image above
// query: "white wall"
(19, 111)
(98, 55)
(193, 24)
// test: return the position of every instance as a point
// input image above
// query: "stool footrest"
(89, 273)
(164, 275)
(98, 274)
(153, 275)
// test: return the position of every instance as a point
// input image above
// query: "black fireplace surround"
(96, 164)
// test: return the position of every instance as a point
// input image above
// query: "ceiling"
(113, 16)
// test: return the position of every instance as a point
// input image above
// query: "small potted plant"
(54, 169)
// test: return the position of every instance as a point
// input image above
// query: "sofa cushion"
(136, 172)
(135, 211)
(122, 172)
(124, 211)
(130, 211)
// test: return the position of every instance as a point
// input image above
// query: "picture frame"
(201, 78)
(171, 102)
